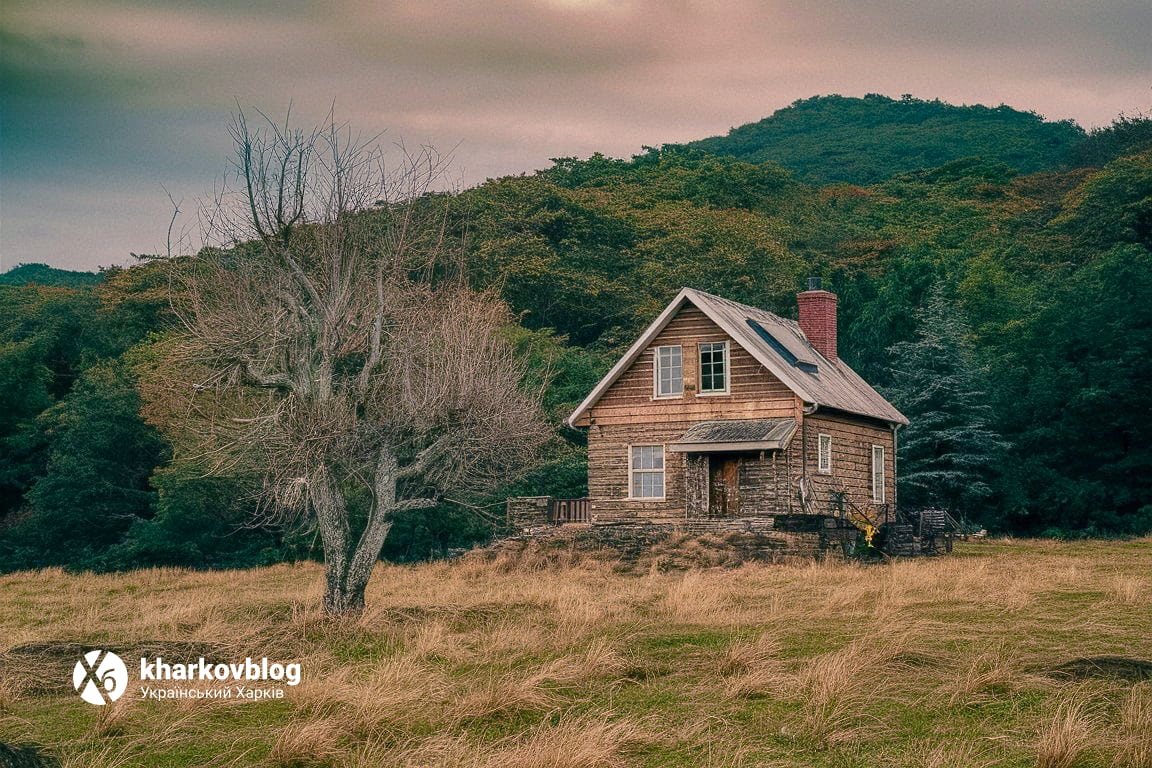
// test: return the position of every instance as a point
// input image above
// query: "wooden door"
(723, 485)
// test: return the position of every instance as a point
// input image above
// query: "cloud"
(109, 98)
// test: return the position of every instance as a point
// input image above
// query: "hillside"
(42, 274)
(866, 140)
(1012, 654)
(1042, 266)
(1048, 275)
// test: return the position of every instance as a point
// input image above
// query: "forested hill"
(866, 140)
(42, 274)
(1008, 314)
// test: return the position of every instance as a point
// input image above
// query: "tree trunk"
(347, 578)
(348, 567)
(342, 596)
(331, 511)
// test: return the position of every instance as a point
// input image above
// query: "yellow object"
(864, 523)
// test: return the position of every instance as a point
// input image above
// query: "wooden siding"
(769, 480)
(629, 414)
(608, 476)
(754, 393)
(852, 441)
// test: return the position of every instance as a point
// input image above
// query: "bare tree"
(331, 347)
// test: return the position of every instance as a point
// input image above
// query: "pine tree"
(951, 452)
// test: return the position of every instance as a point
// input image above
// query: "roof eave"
(749, 445)
(630, 356)
(893, 418)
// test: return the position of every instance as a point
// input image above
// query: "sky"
(109, 106)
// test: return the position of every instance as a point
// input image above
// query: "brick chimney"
(818, 317)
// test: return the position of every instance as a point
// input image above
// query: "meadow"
(1006, 653)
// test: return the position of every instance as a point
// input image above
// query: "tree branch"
(407, 504)
(258, 378)
(425, 459)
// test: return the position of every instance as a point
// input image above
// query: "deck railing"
(562, 511)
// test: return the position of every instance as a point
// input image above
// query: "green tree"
(951, 451)
(202, 522)
(96, 482)
(865, 140)
(1076, 396)
(47, 336)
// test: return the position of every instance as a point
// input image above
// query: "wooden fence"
(562, 511)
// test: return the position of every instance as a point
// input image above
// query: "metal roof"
(735, 435)
(800, 366)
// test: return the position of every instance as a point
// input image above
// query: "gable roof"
(777, 344)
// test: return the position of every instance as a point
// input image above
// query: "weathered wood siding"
(768, 483)
(852, 441)
(608, 479)
(754, 392)
(629, 414)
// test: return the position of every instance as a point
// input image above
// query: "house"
(728, 417)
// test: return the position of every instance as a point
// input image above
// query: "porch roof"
(733, 435)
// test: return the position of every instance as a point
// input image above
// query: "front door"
(723, 485)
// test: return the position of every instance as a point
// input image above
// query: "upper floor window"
(824, 453)
(878, 474)
(669, 371)
(714, 367)
(646, 467)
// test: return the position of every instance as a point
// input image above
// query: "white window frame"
(656, 394)
(824, 459)
(878, 469)
(727, 369)
(633, 471)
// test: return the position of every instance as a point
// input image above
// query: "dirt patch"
(45, 669)
(1102, 668)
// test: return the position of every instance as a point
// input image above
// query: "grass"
(524, 662)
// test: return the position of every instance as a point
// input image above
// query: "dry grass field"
(982, 658)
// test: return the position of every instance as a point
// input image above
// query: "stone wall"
(528, 513)
(751, 538)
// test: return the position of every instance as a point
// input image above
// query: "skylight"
(789, 357)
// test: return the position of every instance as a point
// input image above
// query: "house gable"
(776, 346)
(754, 392)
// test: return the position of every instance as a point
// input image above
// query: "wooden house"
(725, 412)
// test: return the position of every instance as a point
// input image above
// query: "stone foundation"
(769, 537)
(737, 539)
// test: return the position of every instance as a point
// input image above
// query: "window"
(824, 453)
(878, 474)
(647, 470)
(714, 367)
(669, 371)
